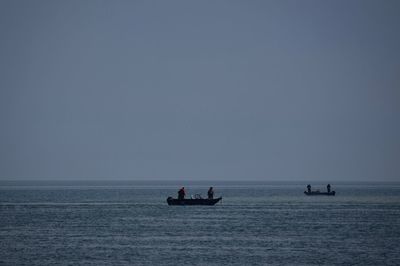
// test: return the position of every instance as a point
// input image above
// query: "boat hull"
(317, 193)
(172, 201)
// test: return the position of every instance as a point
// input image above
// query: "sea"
(256, 223)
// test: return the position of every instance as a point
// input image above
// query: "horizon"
(199, 181)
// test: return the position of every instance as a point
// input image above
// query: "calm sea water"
(130, 223)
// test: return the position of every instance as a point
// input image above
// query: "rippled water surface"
(255, 224)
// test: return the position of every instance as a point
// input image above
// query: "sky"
(238, 90)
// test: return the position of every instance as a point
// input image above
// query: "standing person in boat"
(181, 194)
(210, 193)
(309, 188)
(328, 188)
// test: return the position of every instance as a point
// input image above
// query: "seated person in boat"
(210, 193)
(328, 188)
(181, 194)
(309, 188)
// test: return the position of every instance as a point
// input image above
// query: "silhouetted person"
(309, 188)
(181, 194)
(210, 193)
(328, 188)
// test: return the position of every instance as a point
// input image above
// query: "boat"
(196, 201)
(318, 193)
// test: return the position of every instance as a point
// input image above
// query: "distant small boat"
(318, 193)
(172, 201)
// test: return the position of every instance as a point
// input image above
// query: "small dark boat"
(172, 201)
(318, 193)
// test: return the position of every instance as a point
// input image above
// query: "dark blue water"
(256, 224)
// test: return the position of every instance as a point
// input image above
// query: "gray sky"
(265, 90)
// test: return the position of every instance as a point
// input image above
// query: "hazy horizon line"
(175, 180)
